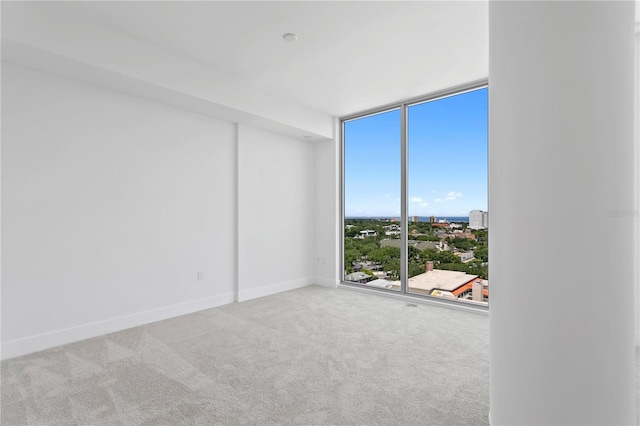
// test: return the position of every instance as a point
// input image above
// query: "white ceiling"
(350, 56)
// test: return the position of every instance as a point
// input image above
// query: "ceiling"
(350, 55)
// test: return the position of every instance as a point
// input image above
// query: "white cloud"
(424, 204)
(452, 195)
(416, 200)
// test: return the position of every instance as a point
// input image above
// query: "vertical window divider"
(342, 206)
(404, 207)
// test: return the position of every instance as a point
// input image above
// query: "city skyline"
(447, 159)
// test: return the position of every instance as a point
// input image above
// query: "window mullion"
(404, 217)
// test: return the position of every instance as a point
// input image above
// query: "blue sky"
(447, 143)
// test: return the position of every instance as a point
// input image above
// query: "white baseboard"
(325, 282)
(268, 290)
(27, 345)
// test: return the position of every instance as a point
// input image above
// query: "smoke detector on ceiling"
(290, 37)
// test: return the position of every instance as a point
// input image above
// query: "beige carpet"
(309, 356)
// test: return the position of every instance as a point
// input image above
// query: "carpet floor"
(304, 357)
(308, 356)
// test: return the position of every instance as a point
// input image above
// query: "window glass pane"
(372, 200)
(447, 197)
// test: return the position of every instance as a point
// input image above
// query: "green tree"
(383, 254)
(368, 272)
(392, 267)
(444, 257)
(426, 238)
(478, 268)
(416, 268)
(481, 236)
(350, 256)
(461, 243)
(461, 267)
(481, 253)
(351, 231)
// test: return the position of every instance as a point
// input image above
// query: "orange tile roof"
(469, 286)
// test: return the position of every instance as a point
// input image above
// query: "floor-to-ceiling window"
(372, 188)
(415, 197)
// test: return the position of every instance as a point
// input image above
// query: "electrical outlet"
(200, 276)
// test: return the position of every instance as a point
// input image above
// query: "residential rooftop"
(440, 279)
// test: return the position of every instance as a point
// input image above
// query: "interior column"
(561, 167)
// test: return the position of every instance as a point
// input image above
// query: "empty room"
(320, 212)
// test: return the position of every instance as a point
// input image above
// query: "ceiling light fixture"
(290, 37)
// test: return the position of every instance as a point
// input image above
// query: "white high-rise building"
(478, 219)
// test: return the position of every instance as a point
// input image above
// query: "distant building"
(478, 219)
(475, 219)
(465, 256)
(438, 279)
(457, 233)
(441, 225)
(358, 277)
(432, 219)
(415, 219)
(420, 245)
(391, 229)
(381, 283)
(450, 285)
(367, 233)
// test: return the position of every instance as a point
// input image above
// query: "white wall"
(275, 216)
(113, 204)
(561, 147)
(326, 213)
